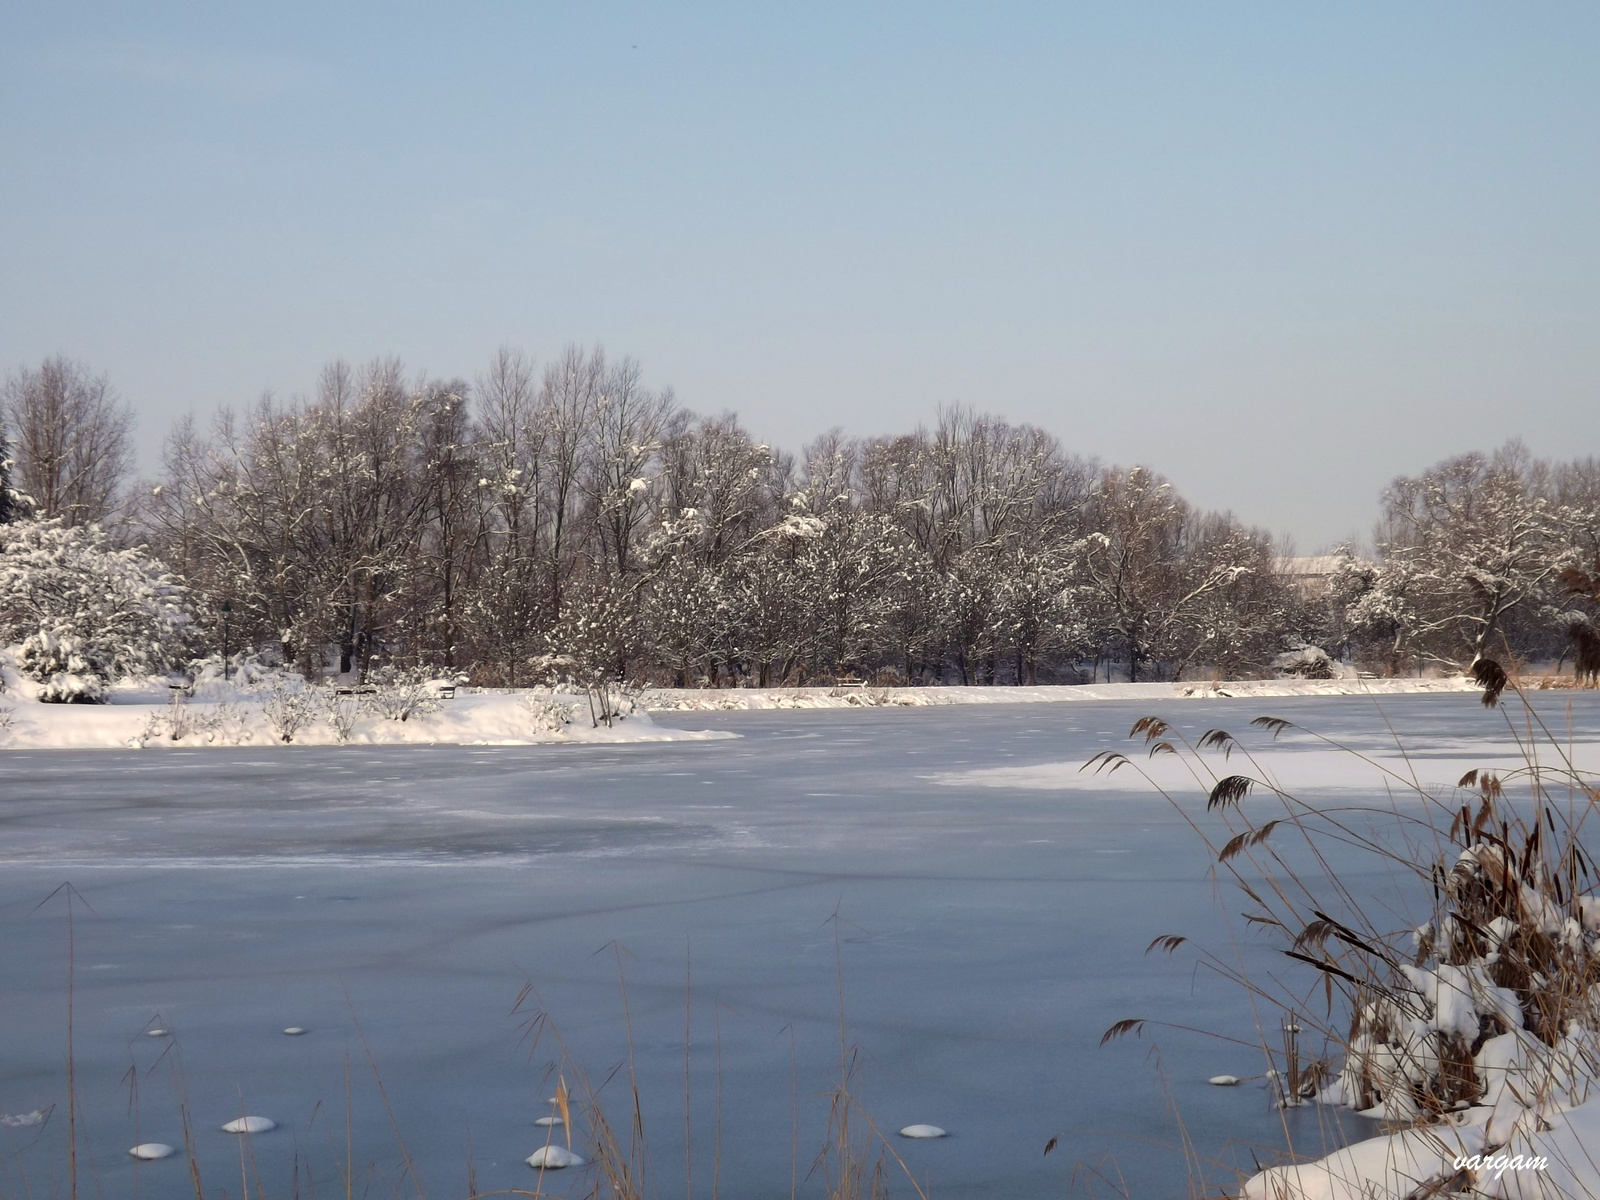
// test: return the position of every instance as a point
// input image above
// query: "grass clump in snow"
(1476, 1033)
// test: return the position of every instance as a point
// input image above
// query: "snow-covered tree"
(590, 644)
(118, 611)
(12, 505)
(969, 602)
(1576, 609)
(684, 605)
(1467, 543)
(433, 522)
(71, 440)
(1037, 615)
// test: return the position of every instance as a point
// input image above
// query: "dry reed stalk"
(71, 893)
(383, 1093)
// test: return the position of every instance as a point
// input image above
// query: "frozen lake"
(994, 911)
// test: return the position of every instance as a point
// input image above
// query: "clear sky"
(1281, 252)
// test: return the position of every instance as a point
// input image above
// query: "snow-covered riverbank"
(748, 699)
(147, 717)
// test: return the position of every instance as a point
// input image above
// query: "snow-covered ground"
(146, 716)
(755, 699)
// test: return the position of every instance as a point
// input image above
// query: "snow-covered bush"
(179, 719)
(119, 608)
(400, 693)
(244, 670)
(223, 723)
(226, 723)
(587, 645)
(1302, 661)
(289, 709)
(71, 671)
(548, 716)
(343, 711)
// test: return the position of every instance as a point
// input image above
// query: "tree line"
(569, 520)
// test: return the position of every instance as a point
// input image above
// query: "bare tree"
(629, 423)
(72, 449)
(569, 396)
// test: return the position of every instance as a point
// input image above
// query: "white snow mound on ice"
(553, 1158)
(152, 1150)
(250, 1125)
(922, 1131)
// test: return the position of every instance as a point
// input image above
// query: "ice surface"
(988, 932)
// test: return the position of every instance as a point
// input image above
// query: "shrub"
(343, 712)
(288, 711)
(119, 607)
(549, 716)
(71, 671)
(401, 693)
(1302, 661)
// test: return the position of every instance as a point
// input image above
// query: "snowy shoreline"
(140, 715)
(758, 699)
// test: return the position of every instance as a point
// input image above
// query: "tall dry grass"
(1401, 1020)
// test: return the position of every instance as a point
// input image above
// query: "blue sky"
(1279, 252)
